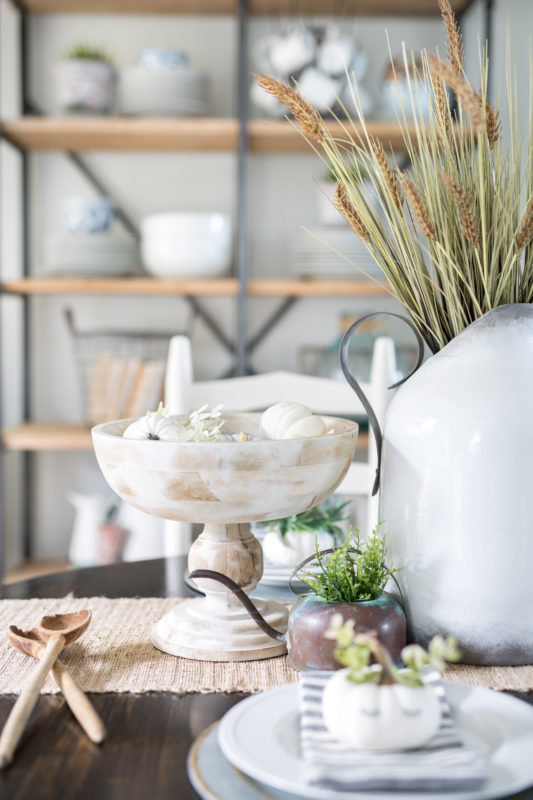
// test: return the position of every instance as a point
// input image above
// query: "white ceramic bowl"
(186, 244)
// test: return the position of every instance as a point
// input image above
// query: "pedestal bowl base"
(200, 629)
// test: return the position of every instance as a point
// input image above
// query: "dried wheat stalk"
(525, 229)
(348, 211)
(465, 209)
(419, 209)
(442, 110)
(307, 116)
(454, 46)
(387, 171)
(492, 121)
(464, 90)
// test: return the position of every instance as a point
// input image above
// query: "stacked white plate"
(321, 252)
(90, 254)
(162, 92)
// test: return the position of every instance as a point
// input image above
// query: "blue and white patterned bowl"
(87, 215)
(162, 58)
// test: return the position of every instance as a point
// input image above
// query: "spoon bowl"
(28, 642)
(70, 626)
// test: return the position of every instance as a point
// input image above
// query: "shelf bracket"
(211, 323)
(271, 322)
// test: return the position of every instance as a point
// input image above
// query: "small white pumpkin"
(291, 549)
(155, 425)
(368, 716)
(291, 421)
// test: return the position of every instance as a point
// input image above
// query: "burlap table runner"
(115, 655)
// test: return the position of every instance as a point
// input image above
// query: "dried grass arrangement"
(452, 237)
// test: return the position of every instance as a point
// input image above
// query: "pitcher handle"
(350, 377)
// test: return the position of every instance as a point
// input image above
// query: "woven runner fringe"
(115, 654)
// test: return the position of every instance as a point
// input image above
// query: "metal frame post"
(243, 239)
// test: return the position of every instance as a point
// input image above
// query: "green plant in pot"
(292, 539)
(85, 80)
(349, 580)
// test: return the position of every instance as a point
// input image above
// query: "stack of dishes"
(162, 84)
(90, 254)
(321, 252)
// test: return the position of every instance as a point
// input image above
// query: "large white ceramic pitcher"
(456, 483)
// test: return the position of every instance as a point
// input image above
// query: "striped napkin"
(444, 763)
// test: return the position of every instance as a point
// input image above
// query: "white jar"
(84, 86)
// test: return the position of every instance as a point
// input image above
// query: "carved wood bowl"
(226, 485)
(225, 481)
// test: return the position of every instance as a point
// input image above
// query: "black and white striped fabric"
(444, 763)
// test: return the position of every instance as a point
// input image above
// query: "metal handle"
(352, 380)
(243, 597)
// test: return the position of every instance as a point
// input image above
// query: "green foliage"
(348, 577)
(87, 52)
(354, 651)
(357, 171)
(324, 518)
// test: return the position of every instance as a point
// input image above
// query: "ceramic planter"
(310, 618)
(84, 86)
(457, 472)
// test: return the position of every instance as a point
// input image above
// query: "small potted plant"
(380, 706)
(85, 81)
(350, 581)
(292, 539)
(327, 210)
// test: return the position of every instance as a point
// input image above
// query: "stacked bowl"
(86, 246)
(162, 84)
(186, 244)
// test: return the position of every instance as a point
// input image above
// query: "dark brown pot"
(310, 618)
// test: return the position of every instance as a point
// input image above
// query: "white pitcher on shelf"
(91, 511)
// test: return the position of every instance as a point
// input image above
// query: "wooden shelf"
(122, 133)
(49, 436)
(196, 7)
(207, 287)
(142, 286)
(315, 288)
(359, 8)
(152, 134)
(374, 8)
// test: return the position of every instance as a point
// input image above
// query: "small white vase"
(84, 86)
(456, 484)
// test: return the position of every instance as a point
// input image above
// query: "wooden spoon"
(31, 643)
(58, 630)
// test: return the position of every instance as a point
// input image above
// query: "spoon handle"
(79, 703)
(26, 701)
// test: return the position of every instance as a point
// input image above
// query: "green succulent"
(353, 573)
(87, 52)
(325, 517)
(354, 651)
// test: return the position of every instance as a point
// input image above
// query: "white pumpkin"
(290, 550)
(368, 716)
(155, 425)
(291, 421)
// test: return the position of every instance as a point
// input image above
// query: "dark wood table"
(149, 735)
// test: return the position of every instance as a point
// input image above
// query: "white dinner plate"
(260, 737)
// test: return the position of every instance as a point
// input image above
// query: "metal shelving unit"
(34, 132)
